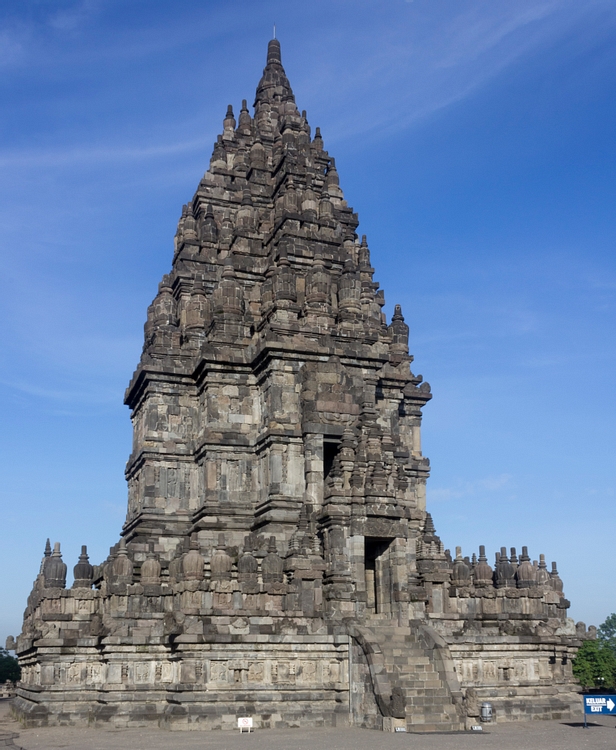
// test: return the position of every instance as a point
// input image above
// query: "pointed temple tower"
(277, 559)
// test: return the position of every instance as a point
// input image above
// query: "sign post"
(244, 723)
(599, 704)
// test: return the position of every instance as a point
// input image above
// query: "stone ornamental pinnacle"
(277, 559)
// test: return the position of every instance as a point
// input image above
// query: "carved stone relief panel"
(142, 671)
(114, 673)
(489, 671)
(219, 671)
(167, 672)
(256, 671)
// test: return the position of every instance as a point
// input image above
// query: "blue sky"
(476, 140)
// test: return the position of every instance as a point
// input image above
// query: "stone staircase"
(418, 668)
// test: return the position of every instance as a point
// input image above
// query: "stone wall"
(277, 558)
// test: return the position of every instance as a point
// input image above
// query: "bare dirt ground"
(536, 735)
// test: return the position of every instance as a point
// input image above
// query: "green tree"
(9, 667)
(607, 632)
(595, 665)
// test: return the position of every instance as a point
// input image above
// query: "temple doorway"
(378, 575)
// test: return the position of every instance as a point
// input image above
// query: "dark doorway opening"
(330, 451)
(378, 575)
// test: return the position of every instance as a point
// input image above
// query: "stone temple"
(277, 559)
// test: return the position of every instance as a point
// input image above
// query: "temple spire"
(274, 86)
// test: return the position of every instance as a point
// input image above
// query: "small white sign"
(400, 729)
(244, 723)
(477, 728)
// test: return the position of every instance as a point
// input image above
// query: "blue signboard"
(600, 704)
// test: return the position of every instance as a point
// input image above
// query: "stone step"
(410, 658)
(420, 676)
(432, 717)
(440, 727)
(420, 698)
(435, 723)
(410, 667)
(425, 689)
(395, 640)
(417, 685)
(407, 642)
(424, 699)
(413, 686)
(421, 664)
(389, 629)
(402, 643)
(422, 706)
(411, 673)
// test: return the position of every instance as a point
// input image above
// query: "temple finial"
(274, 87)
(274, 32)
(273, 52)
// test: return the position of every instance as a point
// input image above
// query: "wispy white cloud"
(61, 157)
(543, 361)
(483, 27)
(40, 31)
(402, 77)
(95, 395)
(464, 488)
(605, 283)
(361, 78)
(70, 19)
(480, 317)
(90, 356)
(12, 47)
